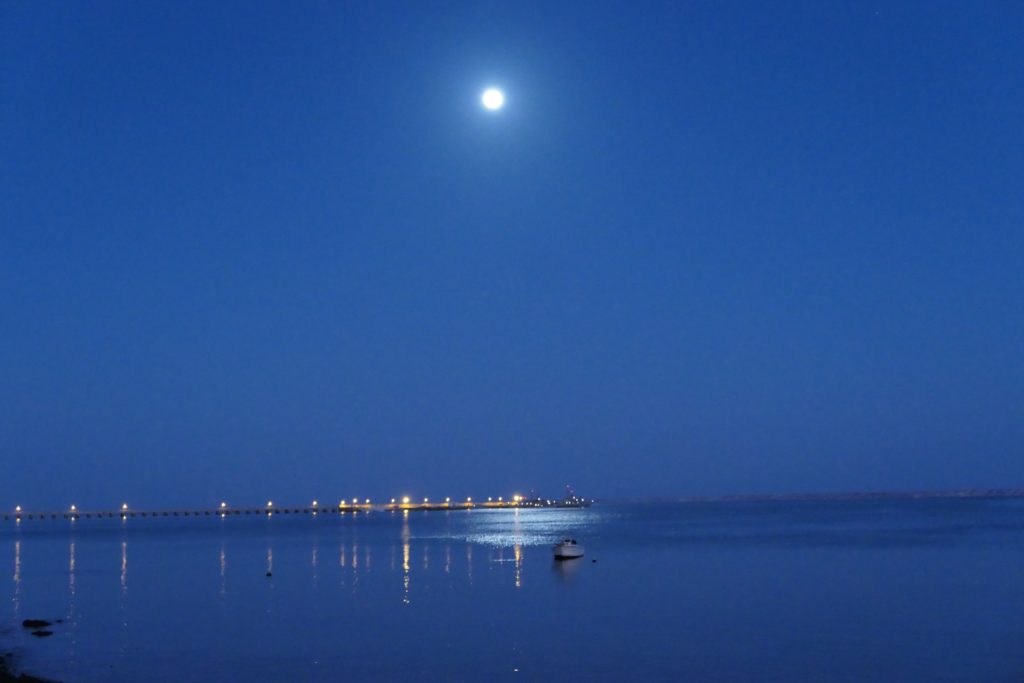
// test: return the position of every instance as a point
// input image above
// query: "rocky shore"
(8, 675)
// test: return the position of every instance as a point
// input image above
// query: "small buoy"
(269, 574)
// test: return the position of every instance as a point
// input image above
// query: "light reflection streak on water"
(223, 569)
(123, 598)
(447, 559)
(354, 563)
(270, 559)
(469, 562)
(71, 569)
(313, 563)
(406, 548)
(71, 618)
(341, 563)
(529, 527)
(519, 565)
(17, 579)
(124, 567)
(517, 549)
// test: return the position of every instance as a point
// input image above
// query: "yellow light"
(392, 501)
(489, 499)
(342, 502)
(314, 503)
(223, 505)
(426, 500)
(405, 500)
(447, 500)
(469, 500)
(270, 503)
(499, 499)
(17, 508)
(367, 501)
(73, 508)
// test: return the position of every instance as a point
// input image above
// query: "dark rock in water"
(7, 674)
(35, 623)
(42, 633)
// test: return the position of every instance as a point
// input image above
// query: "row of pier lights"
(407, 503)
(346, 504)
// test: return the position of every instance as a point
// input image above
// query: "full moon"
(493, 99)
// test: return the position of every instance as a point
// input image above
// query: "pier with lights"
(270, 509)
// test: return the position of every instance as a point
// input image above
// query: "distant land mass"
(850, 495)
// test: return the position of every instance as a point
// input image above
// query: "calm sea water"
(851, 591)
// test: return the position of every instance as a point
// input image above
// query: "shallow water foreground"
(844, 591)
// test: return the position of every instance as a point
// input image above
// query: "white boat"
(568, 550)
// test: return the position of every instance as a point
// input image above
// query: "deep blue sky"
(254, 250)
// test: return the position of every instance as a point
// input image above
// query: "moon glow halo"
(493, 99)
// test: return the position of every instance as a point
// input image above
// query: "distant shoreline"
(958, 494)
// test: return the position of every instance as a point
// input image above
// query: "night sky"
(254, 250)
